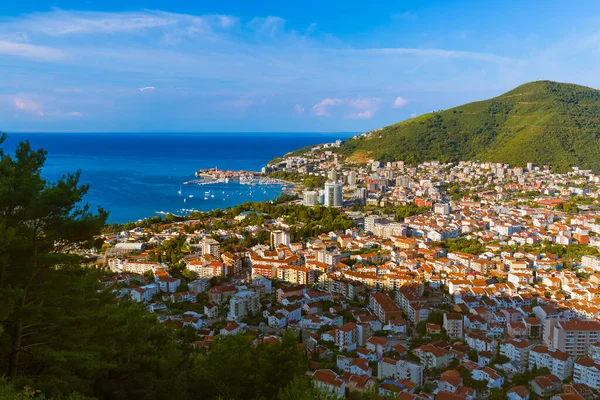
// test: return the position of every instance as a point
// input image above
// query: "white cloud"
(227, 21)
(364, 107)
(61, 23)
(24, 104)
(30, 51)
(360, 108)
(298, 109)
(322, 109)
(311, 28)
(65, 23)
(267, 26)
(145, 88)
(400, 102)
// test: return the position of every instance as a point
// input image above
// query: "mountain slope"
(542, 122)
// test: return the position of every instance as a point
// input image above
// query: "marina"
(206, 194)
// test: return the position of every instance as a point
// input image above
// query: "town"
(437, 281)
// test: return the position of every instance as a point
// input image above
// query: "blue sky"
(285, 66)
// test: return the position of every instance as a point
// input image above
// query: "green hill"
(542, 122)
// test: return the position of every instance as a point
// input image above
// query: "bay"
(136, 175)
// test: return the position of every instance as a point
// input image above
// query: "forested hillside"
(542, 122)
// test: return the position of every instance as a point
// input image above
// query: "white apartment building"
(587, 371)
(333, 194)
(242, 304)
(591, 262)
(280, 237)
(211, 246)
(517, 350)
(400, 369)
(310, 198)
(558, 362)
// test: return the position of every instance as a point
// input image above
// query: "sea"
(140, 175)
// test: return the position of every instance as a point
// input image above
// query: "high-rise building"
(321, 196)
(310, 198)
(361, 194)
(280, 237)
(333, 194)
(332, 175)
(352, 178)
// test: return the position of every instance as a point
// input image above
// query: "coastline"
(141, 174)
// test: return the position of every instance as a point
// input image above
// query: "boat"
(207, 193)
(205, 198)
(185, 200)
(179, 192)
(191, 196)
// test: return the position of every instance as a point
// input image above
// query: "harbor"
(211, 176)
(213, 188)
(207, 194)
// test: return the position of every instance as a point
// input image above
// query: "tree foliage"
(235, 369)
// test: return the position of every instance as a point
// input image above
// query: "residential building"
(574, 337)
(587, 371)
(329, 381)
(558, 362)
(346, 336)
(384, 308)
(400, 369)
(280, 237)
(517, 350)
(242, 304)
(211, 246)
(333, 194)
(296, 275)
(546, 385)
(310, 198)
(434, 357)
(199, 285)
(517, 393)
(453, 324)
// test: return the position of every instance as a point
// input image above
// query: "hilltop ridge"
(543, 122)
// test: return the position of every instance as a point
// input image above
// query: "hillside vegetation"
(542, 122)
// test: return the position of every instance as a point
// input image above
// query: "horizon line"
(178, 132)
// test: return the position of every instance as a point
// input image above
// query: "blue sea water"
(135, 175)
